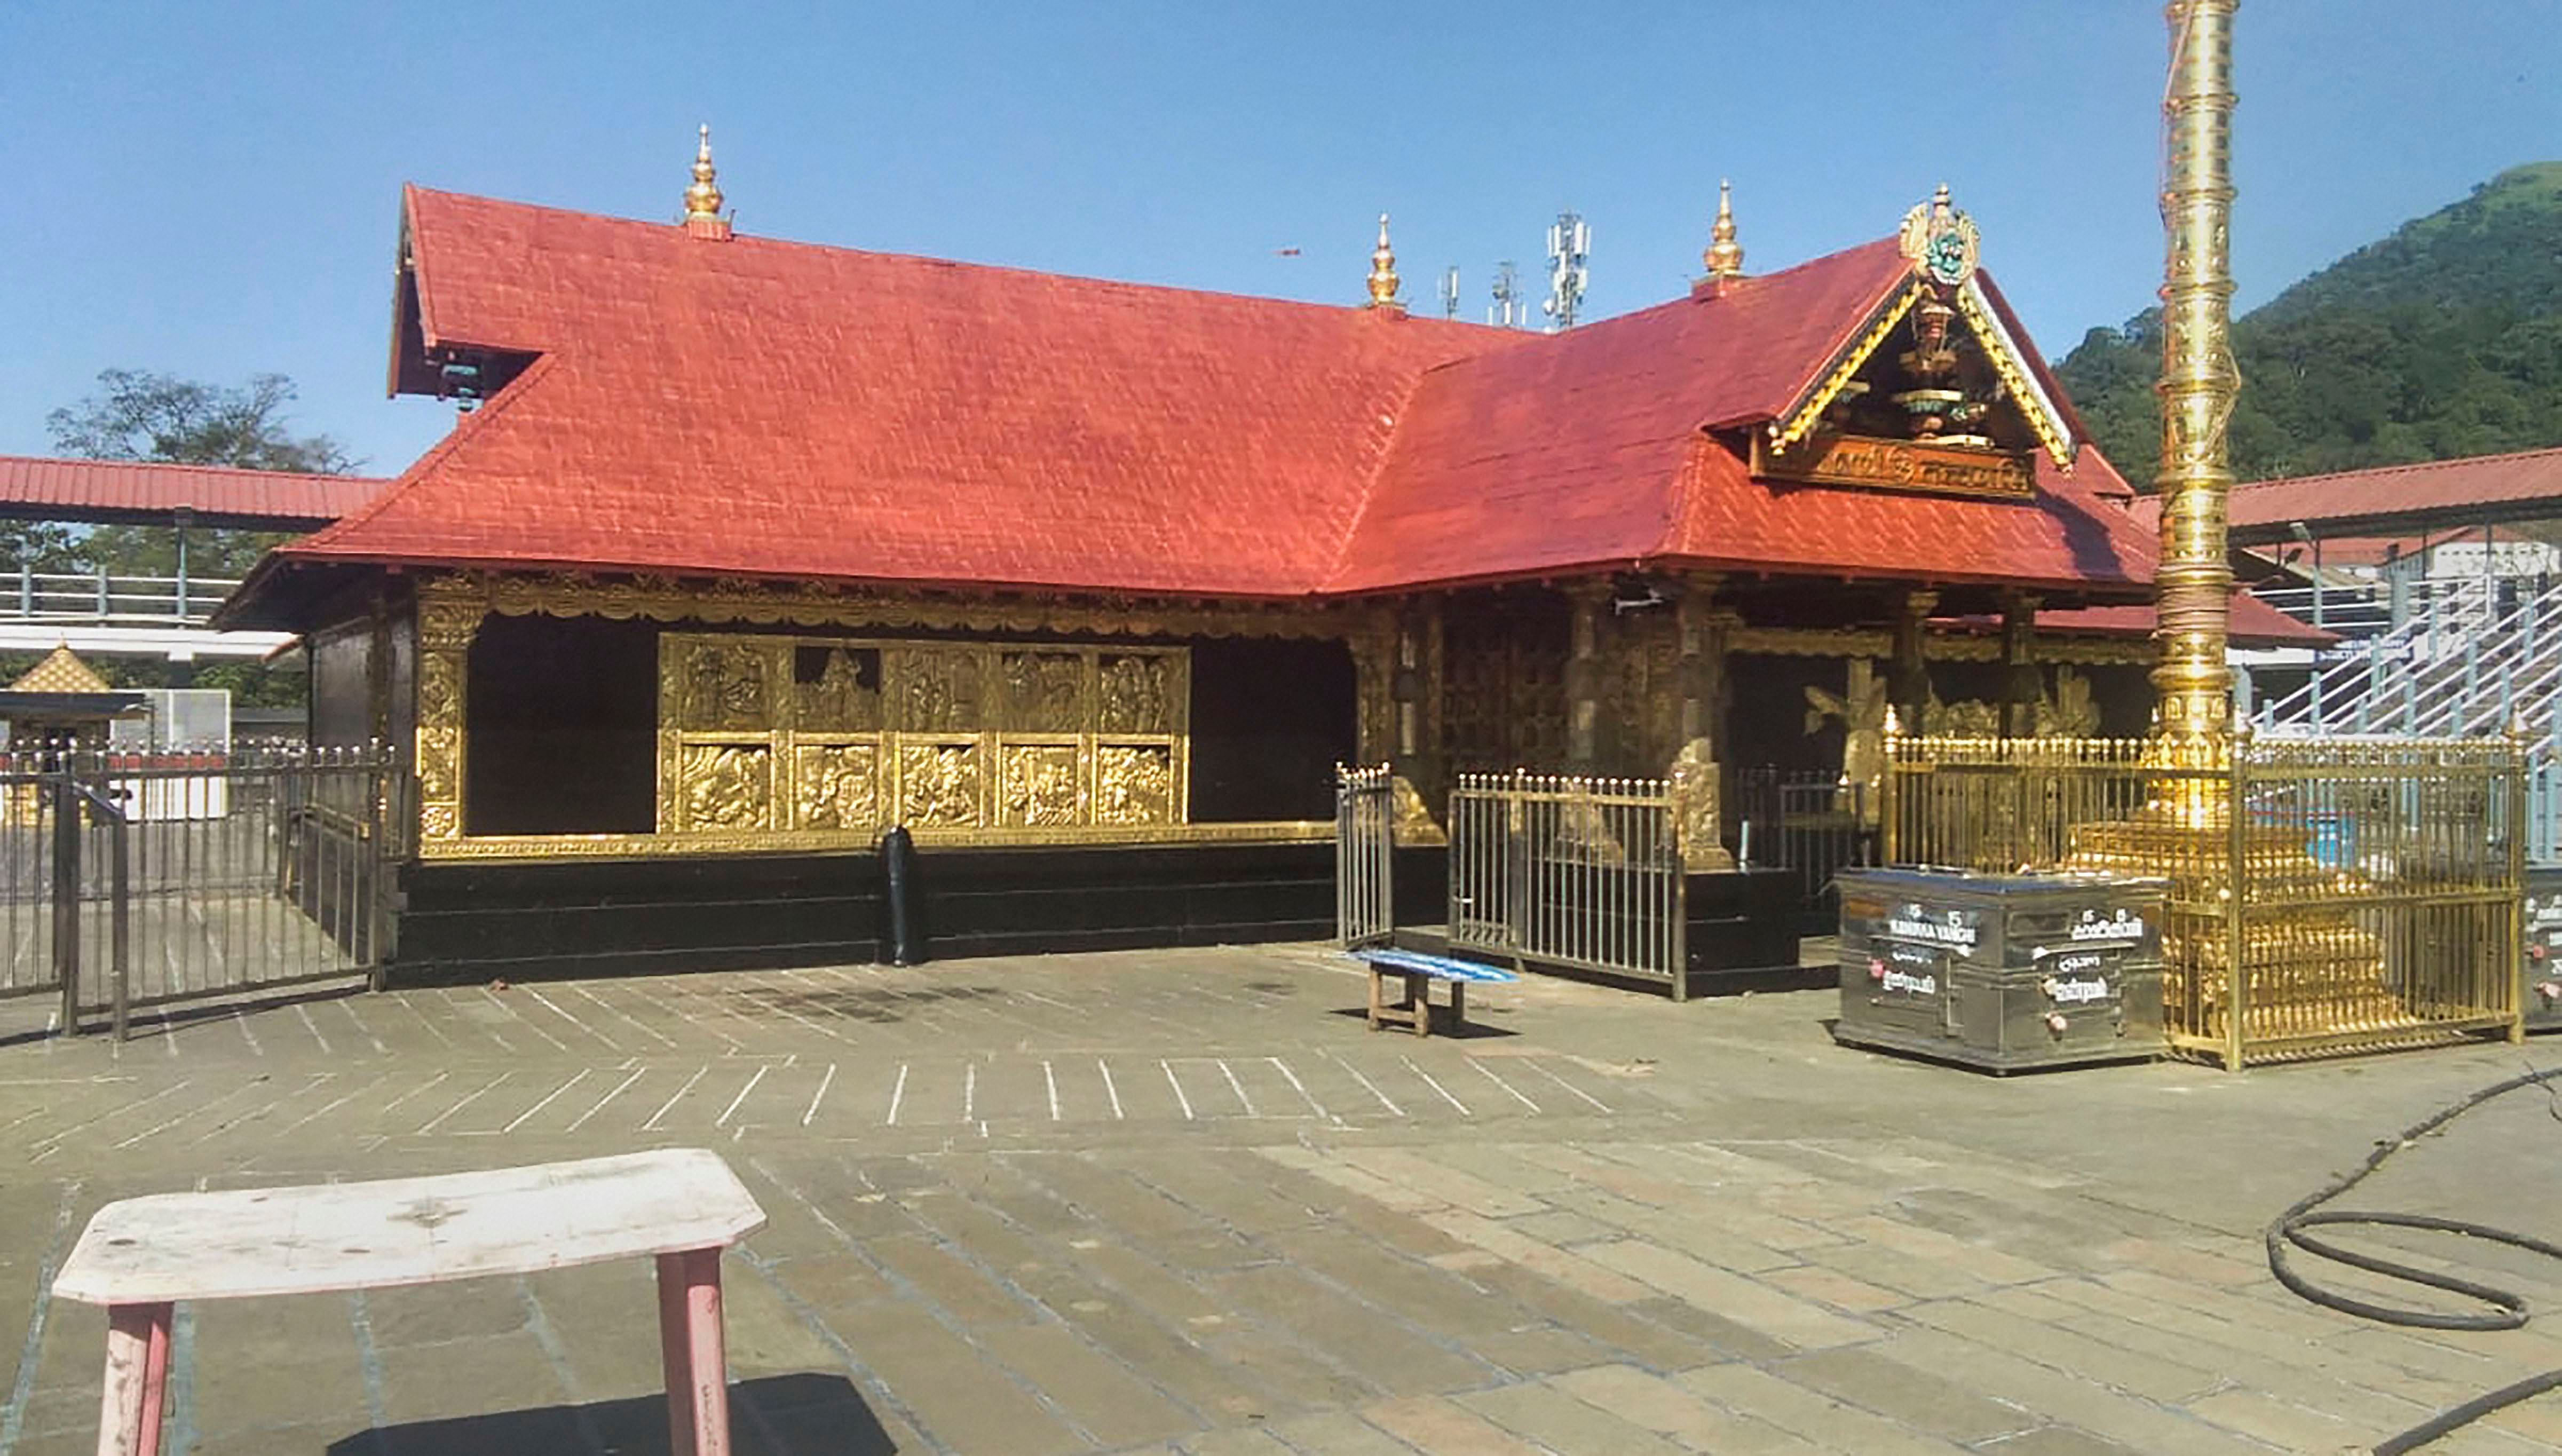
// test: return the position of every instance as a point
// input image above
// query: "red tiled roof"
(1590, 448)
(38, 487)
(2393, 499)
(767, 407)
(775, 408)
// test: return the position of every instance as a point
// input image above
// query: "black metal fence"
(132, 879)
(1811, 822)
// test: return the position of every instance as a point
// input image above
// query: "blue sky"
(211, 189)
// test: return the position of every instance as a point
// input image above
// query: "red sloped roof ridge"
(756, 407)
(144, 488)
(2519, 475)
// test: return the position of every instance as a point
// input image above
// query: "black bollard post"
(898, 874)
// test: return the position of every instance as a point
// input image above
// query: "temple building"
(745, 550)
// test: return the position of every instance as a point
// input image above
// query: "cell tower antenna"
(1450, 291)
(1569, 249)
(1507, 309)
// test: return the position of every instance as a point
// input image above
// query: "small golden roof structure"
(1383, 272)
(1724, 256)
(704, 199)
(60, 671)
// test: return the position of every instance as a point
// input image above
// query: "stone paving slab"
(1183, 1203)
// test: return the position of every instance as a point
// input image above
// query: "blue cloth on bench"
(1439, 968)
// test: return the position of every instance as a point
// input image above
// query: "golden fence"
(2327, 894)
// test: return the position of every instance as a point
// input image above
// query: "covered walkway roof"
(2398, 500)
(134, 493)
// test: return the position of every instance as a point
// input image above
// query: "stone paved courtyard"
(1184, 1202)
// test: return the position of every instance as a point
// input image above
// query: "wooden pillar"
(1414, 686)
(1909, 673)
(2022, 687)
(1374, 648)
(449, 618)
(1698, 774)
(1591, 602)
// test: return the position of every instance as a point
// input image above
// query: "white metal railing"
(27, 594)
(1571, 871)
(1364, 856)
(2464, 659)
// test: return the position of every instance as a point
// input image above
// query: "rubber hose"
(2507, 1308)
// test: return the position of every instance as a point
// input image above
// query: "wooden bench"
(683, 1205)
(1418, 971)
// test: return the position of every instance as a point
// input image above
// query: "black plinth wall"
(477, 921)
(1740, 920)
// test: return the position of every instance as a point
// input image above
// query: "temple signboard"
(1898, 465)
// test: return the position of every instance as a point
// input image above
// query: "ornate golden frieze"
(1813, 642)
(785, 736)
(1854, 641)
(2022, 387)
(729, 601)
(769, 742)
(1800, 421)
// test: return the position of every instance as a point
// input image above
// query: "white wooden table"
(683, 1205)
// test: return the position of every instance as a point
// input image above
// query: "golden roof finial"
(704, 199)
(1724, 256)
(1383, 271)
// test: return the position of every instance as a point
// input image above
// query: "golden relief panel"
(1042, 784)
(726, 686)
(836, 786)
(1045, 692)
(938, 784)
(856, 735)
(1135, 691)
(725, 787)
(937, 689)
(836, 689)
(1134, 784)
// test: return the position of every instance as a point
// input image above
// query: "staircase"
(2458, 658)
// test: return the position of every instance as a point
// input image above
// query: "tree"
(137, 414)
(141, 416)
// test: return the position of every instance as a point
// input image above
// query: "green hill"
(2444, 340)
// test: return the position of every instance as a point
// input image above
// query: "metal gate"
(1364, 856)
(140, 880)
(1811, 822)
(1578, 873)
